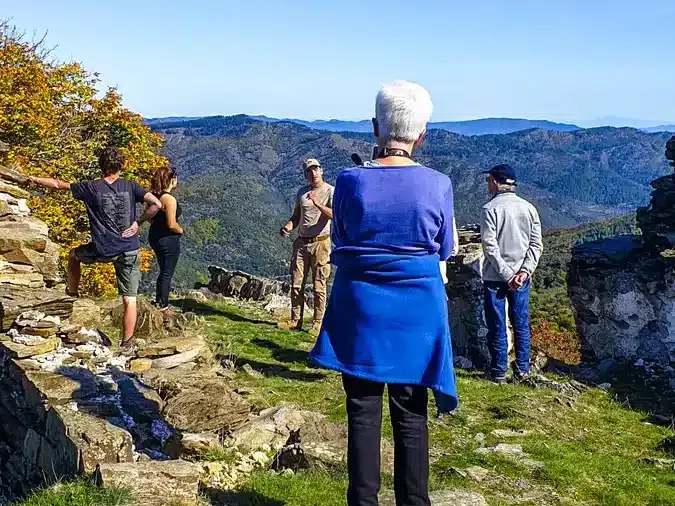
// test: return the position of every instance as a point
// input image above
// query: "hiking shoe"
(128, 348)
(497, 380)
(290, 325)
(518, 376)
(315, 329)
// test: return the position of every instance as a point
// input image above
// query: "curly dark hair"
(162, 178)
(111, 161)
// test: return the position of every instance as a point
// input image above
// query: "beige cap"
(310, 162)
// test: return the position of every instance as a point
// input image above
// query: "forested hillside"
(238, 177)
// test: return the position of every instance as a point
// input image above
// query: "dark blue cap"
(503, 174)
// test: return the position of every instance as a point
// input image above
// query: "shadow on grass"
(282, 354)
(244, 498)
(631, 386)
(207, 310)
(280, 371)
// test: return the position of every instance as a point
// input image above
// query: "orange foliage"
(558, 343)
(55, 125)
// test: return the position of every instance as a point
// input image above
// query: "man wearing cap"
(311, 217)
(512, 243)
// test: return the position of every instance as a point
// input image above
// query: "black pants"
(408, 410)
(167, 250)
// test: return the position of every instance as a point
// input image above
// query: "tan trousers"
(316, 256)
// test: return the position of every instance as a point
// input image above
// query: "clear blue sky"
(560, 60)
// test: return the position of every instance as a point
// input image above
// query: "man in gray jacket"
(511, 237)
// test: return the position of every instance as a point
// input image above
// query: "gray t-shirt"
(313, 223)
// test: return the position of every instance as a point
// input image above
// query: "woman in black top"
(165, 232)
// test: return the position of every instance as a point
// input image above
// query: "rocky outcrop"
(273, 295)
(242, 285)
(623, 288)
(27, 256)
(466, 309)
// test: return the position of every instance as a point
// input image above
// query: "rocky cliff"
(623, 288)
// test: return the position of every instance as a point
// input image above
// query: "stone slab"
(176, 360)
(16, 300)
(154, 483)
(16, 350)
(170, 346)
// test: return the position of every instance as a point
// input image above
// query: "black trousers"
(167, 250)
(408, 410)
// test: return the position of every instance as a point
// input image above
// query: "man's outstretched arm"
(49, 182)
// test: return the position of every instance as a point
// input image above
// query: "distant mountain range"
(239, 175)
(483, 126)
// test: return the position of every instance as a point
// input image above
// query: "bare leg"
(74, 273)
(129, 319)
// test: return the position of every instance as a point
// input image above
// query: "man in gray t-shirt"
(311, 217)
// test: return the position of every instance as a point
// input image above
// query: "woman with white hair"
(387, 320)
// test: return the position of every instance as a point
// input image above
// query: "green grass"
(592, 448)
(78, 493)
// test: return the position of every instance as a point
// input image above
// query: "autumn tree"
(55, 123)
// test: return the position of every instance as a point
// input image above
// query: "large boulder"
(242, 285)
(274, 426)
(623, 294)
(466, 309)
(198, 401)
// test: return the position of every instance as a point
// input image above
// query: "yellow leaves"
(55, 125)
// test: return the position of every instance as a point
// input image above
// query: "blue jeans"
(496, 294)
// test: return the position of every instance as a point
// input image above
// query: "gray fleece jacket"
(511, 236)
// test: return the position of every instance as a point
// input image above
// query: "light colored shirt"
(312, 222)
(511, 236)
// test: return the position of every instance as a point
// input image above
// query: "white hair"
(402, 110)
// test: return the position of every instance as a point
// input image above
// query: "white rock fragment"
(27, 340)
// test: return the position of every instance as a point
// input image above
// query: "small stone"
(508, 449)
(463, 363)
(27, 340)
(260, 458)
(288, 473)
(214, 467)
(251, 372)
(605, 386)
(139, 365)
(639, 363)
(480, 438)
(477, 473)
(40, 331)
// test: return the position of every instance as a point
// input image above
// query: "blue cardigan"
(387, 317)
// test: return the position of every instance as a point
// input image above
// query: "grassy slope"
(591, 448)
(80, 493)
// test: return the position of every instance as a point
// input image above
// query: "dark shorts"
(127, 267)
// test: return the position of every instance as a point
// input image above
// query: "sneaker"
(497, 380)
(518, 376)
(290, 325)
(128, 348)
(315, 329)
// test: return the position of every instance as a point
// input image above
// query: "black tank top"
(159, 227)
